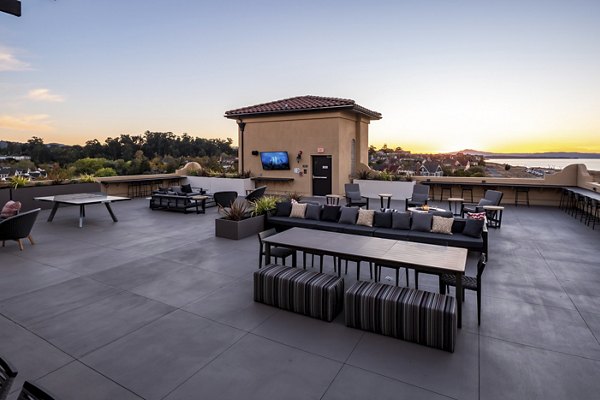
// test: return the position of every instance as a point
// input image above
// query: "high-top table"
(395, 253)
(81, 200)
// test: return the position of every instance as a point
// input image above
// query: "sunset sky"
(512, 76)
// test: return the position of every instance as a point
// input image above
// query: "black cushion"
(421, 222)
(358, 230)
(458, 225)
(473, 228)
(401, 220)
(329, 226)
(283, 209)
(313, 212)
(382, 219)
(348, 215)
(330, 213)
(387, 233)
(186, 188)
(485, 202)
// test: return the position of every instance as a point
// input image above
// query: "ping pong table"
(81, 200)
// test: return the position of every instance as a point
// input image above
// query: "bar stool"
(466, 188)
(383, 197)
(523, 191)
(332, 199)
(595, 216)
(445, 188)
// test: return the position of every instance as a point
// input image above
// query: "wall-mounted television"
(275, 160)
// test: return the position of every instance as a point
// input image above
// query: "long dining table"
(395, 253)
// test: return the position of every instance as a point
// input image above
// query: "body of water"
(592, 164)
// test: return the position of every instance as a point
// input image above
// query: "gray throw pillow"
(348, 215)
(401, 220)
(313, 212)
(382, 219)
(283, 209)
(421, 222)
(473, 227)
(330, 213)
(485, 202)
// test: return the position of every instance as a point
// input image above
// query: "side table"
(455, 205)
(383, 197)
(494, 215)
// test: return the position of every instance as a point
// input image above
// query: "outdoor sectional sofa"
(329, 218)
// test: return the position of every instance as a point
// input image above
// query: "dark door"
(321, 175)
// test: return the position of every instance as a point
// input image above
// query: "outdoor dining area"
(158, 290)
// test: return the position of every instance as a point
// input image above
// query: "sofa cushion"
(473, 227)
(313, 212)
(421, 222)
(359, 230)
(456, 240)
(292, 222)
(365, 217)
(485, 202)
(445, 213)
(283, 209)
(298, 210)
(329, 226)
(348, 215)
(389, 233)
(382, 219)
(401, 220)
(186, 188)
(458, 225)
(330, 213)
(442, 225)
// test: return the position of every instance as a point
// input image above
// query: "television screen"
(274, 160)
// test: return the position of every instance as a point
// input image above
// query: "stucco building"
(326, 140)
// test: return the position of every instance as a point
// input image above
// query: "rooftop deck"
(155, 307)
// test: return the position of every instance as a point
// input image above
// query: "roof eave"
(370, 115)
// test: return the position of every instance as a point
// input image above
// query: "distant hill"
(556, 154)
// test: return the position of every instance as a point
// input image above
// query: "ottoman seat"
(304, 292)
(404, 313)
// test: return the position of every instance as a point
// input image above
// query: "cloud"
(8, 62)
(34, 123)
(44, 95)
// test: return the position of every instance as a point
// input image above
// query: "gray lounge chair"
(419, 197)
(353, 196)
(18, 227)
(490, 198)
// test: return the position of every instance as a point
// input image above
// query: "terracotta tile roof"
(302, 103)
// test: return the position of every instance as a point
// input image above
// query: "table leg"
(81, 215)
(339, 266)
(53, 212)
(294, 261)
(268, 254)
(459, 299)
(110, 211)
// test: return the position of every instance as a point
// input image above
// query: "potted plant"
(16, 182)
(238, 222)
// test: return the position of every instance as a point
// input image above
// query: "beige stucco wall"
(331, 131)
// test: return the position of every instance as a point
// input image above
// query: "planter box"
(400, 190)
(236, 230)
(26, 194)
(213, 185)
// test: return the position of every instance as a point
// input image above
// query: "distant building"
(431, 168)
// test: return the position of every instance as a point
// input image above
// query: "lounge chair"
(18, 227)
(353, 196)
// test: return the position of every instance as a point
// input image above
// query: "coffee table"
(81, 200)
(395, 253)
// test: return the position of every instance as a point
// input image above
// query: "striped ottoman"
(408, 314)
(303, 292)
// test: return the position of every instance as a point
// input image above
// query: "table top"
(336, 196)
(81, 198)
(455, 199)
(584, 192)
(419, 209)
(385, 195)
(497, 208)
(379, 250)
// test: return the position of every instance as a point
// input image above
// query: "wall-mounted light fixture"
(254, 152)
(299, 157)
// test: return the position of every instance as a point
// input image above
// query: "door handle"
(319, 177)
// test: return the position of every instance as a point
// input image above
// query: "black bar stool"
(524, 191)
(466, 188)
(445, 188)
